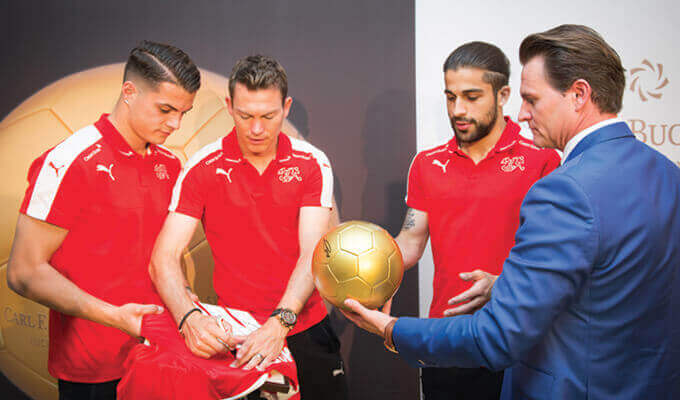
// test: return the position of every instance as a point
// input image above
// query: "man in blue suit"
(588, 304)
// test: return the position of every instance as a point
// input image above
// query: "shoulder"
(166, 153)
(67, 152)
(205, 156)
(427, 156)
(305, 150)
(528, 148)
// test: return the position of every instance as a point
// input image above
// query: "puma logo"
(439, 164)
(220, 171)
(126, 153)
(107, 170)
(56, 169)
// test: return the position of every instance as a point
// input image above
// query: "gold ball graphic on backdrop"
(357, 260)
(41, 122)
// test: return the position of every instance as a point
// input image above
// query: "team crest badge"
(289, 174)
(509, 164)
(161, 171)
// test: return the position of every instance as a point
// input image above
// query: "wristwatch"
(286, 316)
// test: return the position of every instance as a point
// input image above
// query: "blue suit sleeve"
(554, 252)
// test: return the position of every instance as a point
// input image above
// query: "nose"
(524, 114)
(459, 109)
(174, 122)
(257, 127)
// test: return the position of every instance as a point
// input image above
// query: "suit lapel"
(609, 132)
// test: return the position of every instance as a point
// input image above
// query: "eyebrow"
(467, 91)
(247, 113)
(173, 108)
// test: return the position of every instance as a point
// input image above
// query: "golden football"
(357, 260)
(41, 122)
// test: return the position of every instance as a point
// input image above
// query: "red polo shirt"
(113, 203)
(251, 220)
(473, 210)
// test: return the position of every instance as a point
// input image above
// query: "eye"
(473, 98)
(451, 98)
(245, 116)
(268, 117)
(165, 110)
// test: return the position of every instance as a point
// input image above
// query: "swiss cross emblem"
(509, 164)
(161, 171)
(288, 174)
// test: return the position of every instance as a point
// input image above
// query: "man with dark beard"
(465, 195)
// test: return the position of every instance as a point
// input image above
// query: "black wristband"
(184, 318)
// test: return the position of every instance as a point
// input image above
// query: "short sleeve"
(188, 195)
(318, 188)
(415, 198)
(57, 191)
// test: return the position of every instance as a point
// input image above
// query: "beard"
(478, 129)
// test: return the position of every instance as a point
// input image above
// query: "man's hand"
(262, 346)
(205, 337)
(478, 295)
(373, 321)
(129, 317)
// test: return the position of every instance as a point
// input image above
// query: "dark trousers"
(321, 372)
(87, 391)
(461, 384)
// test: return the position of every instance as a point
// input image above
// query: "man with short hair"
(465, 196)
(89, 219)
(586, 306)
(264, 200)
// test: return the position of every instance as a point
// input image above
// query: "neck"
(585, 121)
(477, 150)
(119, 118)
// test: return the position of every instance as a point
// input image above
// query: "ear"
(129, 91)
(503, 95)
(230, 105)
(286, 106)
(580, 91)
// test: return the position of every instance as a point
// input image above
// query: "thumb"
(355, 306)
(471, 276)
(147, 309)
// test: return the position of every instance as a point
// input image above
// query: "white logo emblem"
(98, 148)
(161, 171)
(107, 170)
(288, 174)
(439, 164)
(127, 153)
(219, 171)
(509, 164)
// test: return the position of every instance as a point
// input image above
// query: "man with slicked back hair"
(90, 216)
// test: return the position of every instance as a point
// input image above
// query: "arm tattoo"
(409, 220)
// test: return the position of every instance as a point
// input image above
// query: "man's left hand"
(373, 321)
(478, 295)
(263, 346)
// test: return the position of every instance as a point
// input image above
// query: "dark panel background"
(351, 71)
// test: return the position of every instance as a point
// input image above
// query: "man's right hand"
(205, 337)
(128, 317)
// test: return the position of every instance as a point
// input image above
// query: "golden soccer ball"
(357, 260)
(41, 122)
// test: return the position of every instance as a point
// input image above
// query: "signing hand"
(262, 346)
(478, 295)
(373, 321)
(205, 337)
(129, 317)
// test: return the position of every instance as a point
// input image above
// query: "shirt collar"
(508, 139)
(571, 144)
(233, 152)
(113, 137)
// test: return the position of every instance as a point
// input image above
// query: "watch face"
(288, 317)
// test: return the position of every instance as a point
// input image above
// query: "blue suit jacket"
(588, 304)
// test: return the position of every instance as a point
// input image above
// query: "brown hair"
(484, 56)
(572, 52)
(159, 62)
(259, 72)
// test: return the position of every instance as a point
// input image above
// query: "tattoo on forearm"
(409, 220)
